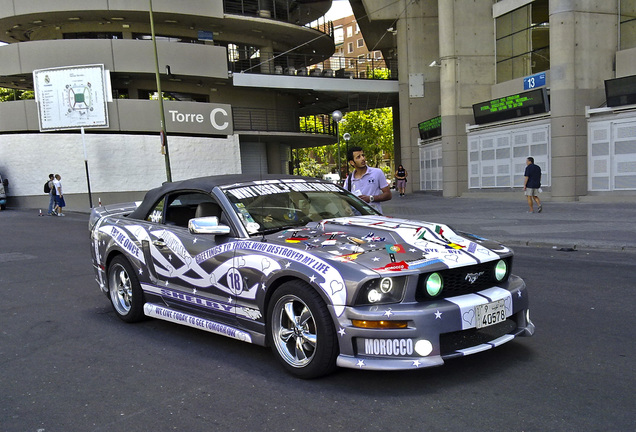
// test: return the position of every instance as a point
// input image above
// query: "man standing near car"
(532, 184)
(368, 183)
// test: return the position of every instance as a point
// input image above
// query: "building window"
(357, 28)
(523, 41)
(360, 43)
(338, 35)
(361, 58)
(628, 25)
(349, 31)
(350, 47)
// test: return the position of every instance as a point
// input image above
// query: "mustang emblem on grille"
(472, 277)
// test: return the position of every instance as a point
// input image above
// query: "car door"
(191, 269)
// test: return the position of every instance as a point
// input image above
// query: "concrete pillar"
(418, 46)
(583, 39)
(274, 158)
(466, 48)
(267, 56)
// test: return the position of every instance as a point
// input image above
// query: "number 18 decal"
(235, 281)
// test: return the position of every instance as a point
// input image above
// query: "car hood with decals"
(307, 268)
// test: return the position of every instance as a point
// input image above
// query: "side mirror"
(207, 225)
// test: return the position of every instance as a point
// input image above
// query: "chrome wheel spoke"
(286, 334)
(289, 311)
(301, 356)
(310, 338)
(305, 316)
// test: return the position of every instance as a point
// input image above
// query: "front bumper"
(437, 330)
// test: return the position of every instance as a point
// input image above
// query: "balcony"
(249, 60)
(290, 11)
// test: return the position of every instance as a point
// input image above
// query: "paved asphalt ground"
(68, 364)
(573, 225)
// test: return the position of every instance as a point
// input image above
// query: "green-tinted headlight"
(434, 284)
(501, 269)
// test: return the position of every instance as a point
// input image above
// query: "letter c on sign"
(216, 125)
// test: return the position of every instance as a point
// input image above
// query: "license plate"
(490, 313)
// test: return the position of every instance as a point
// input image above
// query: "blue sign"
(534, 81)
(206, 35)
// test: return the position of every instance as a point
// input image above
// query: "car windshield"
(269, 206)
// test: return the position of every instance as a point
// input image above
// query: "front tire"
(301, 331)
(125, 291)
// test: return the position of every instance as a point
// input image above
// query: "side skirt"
(163, 313)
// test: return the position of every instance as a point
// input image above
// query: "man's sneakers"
(540, 208)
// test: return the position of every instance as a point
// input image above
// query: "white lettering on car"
(388, 347)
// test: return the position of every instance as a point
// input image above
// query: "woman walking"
(400, 175)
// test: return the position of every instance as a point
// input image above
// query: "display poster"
(71, 97)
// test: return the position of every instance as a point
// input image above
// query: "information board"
(430, 128)
(620, 91)
(71, 97)
(513, 106)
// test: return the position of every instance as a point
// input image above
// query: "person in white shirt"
(59, 197)
(368, 183)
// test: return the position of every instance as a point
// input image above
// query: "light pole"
(337, 116)
(347, 137)
(164, 136)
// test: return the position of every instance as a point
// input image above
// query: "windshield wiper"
(274, 230)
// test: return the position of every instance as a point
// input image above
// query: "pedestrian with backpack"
(49, 188)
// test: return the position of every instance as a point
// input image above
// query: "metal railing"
(269, 120)
(250, 61)
(279, 10)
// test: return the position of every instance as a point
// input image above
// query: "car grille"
(452, 342)
(457, 281)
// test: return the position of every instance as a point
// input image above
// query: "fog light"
(423, 347)
(434, 284)
(500, 270)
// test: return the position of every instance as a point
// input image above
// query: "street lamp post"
(347, 137)
(337, 116)
(163, 134)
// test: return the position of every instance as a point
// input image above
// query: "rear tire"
(125, 291)
(301, 331)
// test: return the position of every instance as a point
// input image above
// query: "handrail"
(250, 60)
(269, 9)
(270, 120)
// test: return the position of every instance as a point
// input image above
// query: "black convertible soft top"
(203, 184)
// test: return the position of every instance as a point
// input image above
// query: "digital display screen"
(621, 91)
(430, 128)
(513, 106)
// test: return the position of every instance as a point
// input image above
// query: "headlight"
(501, 270)
(434, 284)
(382, 291)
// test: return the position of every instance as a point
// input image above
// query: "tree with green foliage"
(370, 129)
(7, 94)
